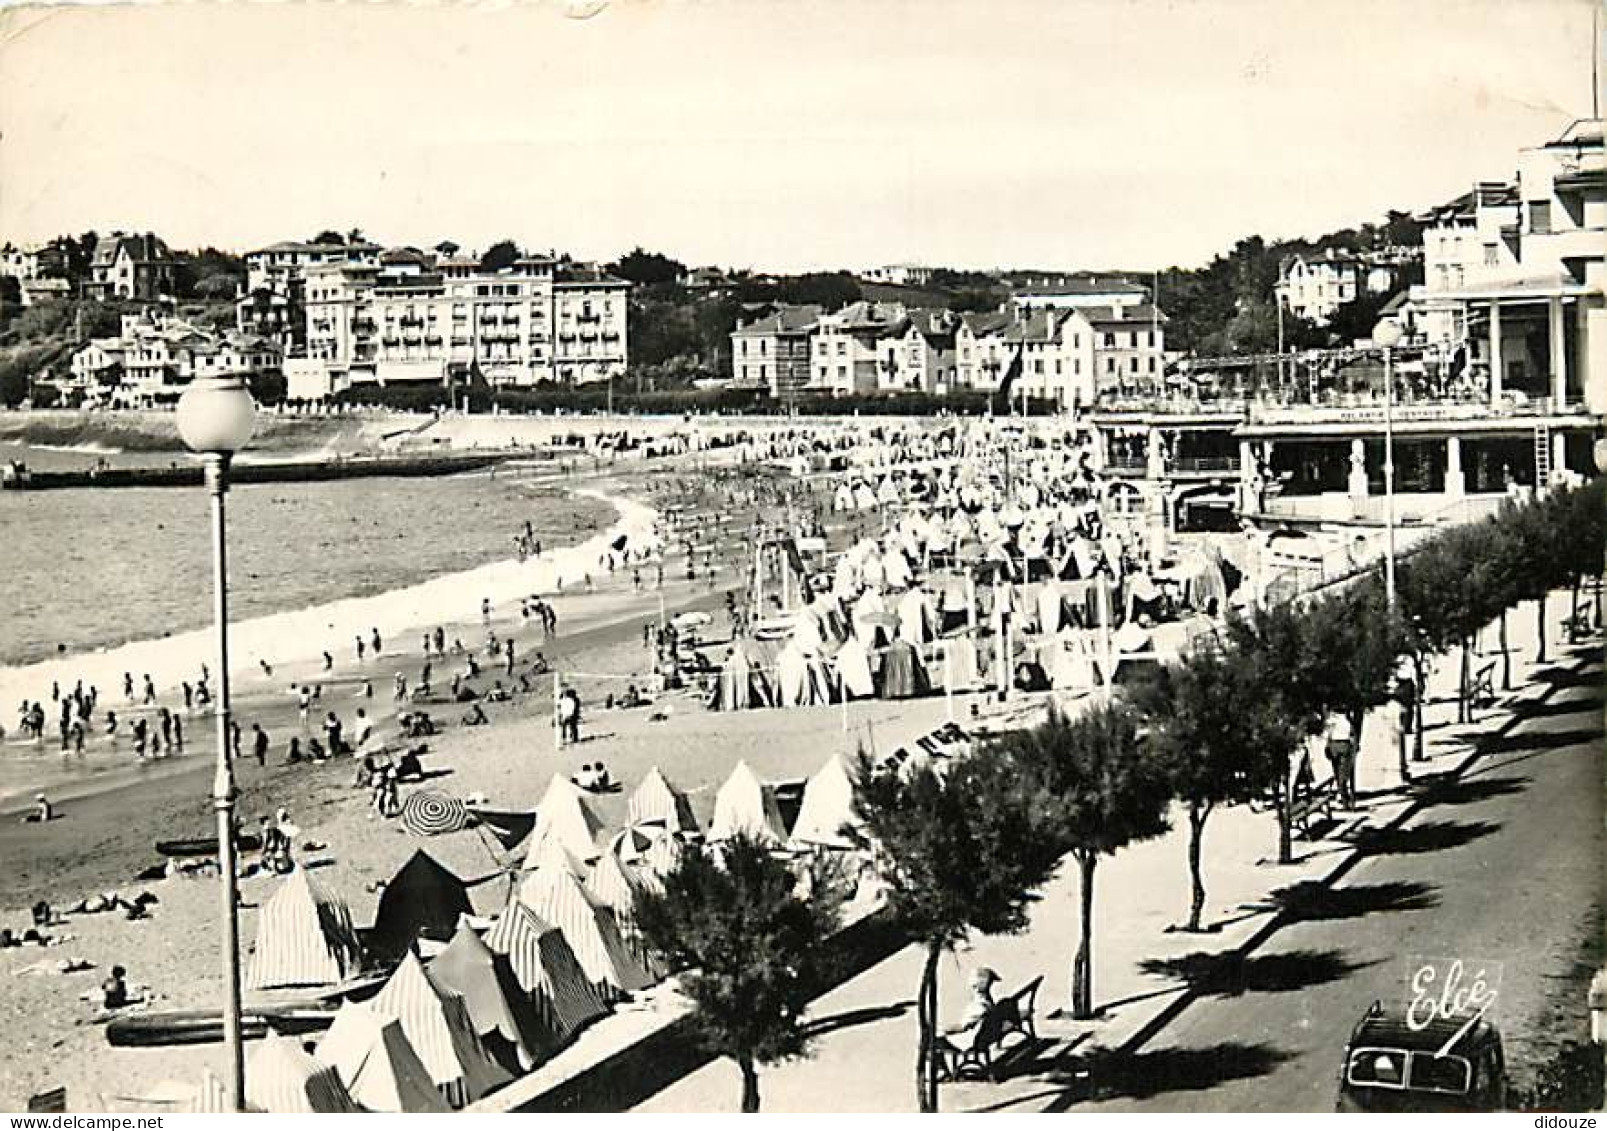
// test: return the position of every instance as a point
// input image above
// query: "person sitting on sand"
(587, 778)
(42, 811)
(497, 694)
(475, 717)
(465, 693)
(43, 915)
(114, 990)
(539, 665)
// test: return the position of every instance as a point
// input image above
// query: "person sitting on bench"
(980, 1002)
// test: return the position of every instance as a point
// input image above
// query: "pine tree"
(751, 946)
(961, 849)
(1104, 791)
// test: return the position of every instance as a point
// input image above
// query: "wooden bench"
(1481, 688)
(970, 1052)
(1317, 799)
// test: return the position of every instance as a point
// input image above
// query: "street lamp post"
(1387, 334)
(215, 419)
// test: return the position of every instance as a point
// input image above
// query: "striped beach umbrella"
(431, 813)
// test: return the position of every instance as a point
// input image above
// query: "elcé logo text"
(1451, 995)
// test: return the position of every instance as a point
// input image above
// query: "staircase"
(1542, 456)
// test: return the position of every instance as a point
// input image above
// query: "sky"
(776, 134)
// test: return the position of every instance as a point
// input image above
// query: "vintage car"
(1392, 1066)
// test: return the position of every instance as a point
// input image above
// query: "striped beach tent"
(371, 1055)
(496, 1004)
(424, 898)
(555, 895)
(746, 805)
(657, 802)
(305, 937)
(565, 814)
(283, 1080)
(615, 886)
(545, 966)
(828, 807)
(436, 1023)
(552, 853)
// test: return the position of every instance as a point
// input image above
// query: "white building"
(155, 356)
(1315, 287)
(412, 317)
(845, 353)
(898, 275)
(1513, 277)
(1068, 292)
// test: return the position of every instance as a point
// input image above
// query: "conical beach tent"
(746, 805)
(372, 1057)
(551, 852)
(423, 898)
(743, 683)
(828, 807)
(656, 801)
(496, 1004)
(436, 1023)
(283, 1080)
(546, 969)
(556, 896)
(614, 886)
(304, 937)
(565, 814)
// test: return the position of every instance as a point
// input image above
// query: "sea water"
(84, 569)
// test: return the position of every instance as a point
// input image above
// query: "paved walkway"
(865, 1056)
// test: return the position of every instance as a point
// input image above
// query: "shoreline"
(291, 640)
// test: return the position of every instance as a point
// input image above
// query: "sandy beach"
(104, 836)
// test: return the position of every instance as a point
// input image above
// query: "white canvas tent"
(746, 805)
(283, 1080)
(565, 814)
(372, 1057)
(656, 801)
(827, 808)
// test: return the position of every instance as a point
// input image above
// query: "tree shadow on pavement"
(1534, 742)
(820, 1026)
(1231, 974)
(1470, 791)
(1141, 1075)
(1311, 901)
(1589, 705)
(1428, 836)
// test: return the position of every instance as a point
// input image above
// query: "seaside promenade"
(1495, 853)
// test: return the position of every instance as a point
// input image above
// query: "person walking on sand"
(507, 649)
(374, 642)
(259, 744)
(329, 662)
(303, 703)
(164, 723)
(178, 733)
(140, 737)
(362, 648)
(150, 690)
(189, 695)
(128, 686)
